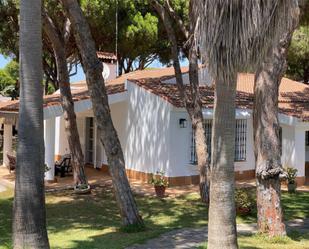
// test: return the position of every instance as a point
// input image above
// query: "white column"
(49, 141)
(299, 152)
(7, 143)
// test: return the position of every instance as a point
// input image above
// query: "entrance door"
(89, 151)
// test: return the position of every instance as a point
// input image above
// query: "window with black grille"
(307, 138)
(240, 140)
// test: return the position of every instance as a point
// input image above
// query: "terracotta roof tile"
(106, 56)
(54, 99)
(293, 100)
(162, 73)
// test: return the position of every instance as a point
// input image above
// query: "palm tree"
(266, 135)
(233, 36)
(29, 220)
(59, 40)
(109, 138)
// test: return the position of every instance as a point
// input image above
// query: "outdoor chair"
(12, 162)
(63, 166)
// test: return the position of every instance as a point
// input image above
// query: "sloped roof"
(54, 99)
(156, 73)
(106, 55)
(293, 100)
(293, 95)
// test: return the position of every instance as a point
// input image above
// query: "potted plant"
(160, 183)
(244, 201)
(82, 189)
(291, 179)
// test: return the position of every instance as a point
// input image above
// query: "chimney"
(109, 61)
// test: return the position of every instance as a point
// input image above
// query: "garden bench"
(12, 162)
(63, 166)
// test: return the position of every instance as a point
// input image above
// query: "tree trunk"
(222, 224)
(266, 138)
(29, 218)
(198, 124)
(67, 102)
(267, 148)
(193, 105)
(109, 138)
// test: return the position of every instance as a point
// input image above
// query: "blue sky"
(3, 61)
(80, 74)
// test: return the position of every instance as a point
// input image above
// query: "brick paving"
(101, 178)
(189, 238)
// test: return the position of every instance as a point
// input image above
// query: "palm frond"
(236, 34)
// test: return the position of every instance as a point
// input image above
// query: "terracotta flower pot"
(292, 187)
(243, 210)
(160, 191)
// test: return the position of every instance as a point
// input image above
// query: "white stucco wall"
(119, 112)
(148, 130)
(288, 145)
(180, 146)
(61, 142)
(293, 148)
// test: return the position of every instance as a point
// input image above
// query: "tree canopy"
(298, 56)
(9, 78)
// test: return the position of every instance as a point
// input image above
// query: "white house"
(155, 130)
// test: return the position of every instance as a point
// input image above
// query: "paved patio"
(99, 178)
(187, 238)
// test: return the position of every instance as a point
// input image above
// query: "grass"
(93, 221)
(294, 205)
(294, 240)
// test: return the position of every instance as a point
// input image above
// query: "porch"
(55, 140)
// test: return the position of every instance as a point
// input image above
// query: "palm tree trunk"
(29, 218)
(222, 224)
(109, 138)
(266, 137)
(67, 102)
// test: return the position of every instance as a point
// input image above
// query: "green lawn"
(294, 240)
(92, 221)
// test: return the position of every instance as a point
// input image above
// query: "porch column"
(49, 141)
(7, 143)
(299, 154)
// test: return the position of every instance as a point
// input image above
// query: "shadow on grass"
(261, 241)
(93, 221)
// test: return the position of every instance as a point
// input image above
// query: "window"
(89, 140)
(240, 140)
(307, 138)
(208, 127)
